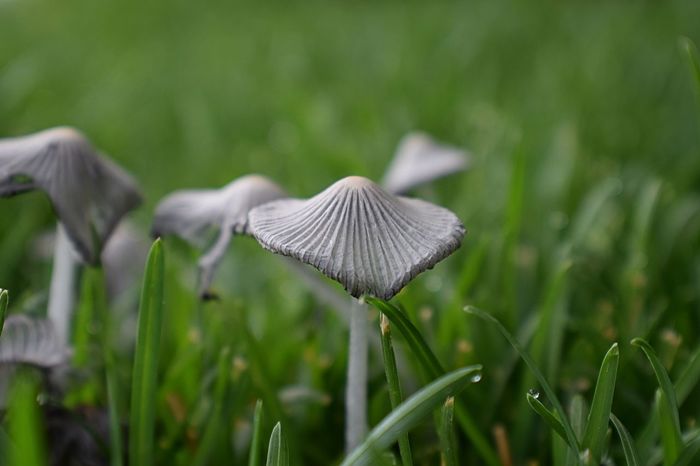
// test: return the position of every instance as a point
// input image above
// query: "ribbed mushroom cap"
(192, 214)
(89, 193)
(354, 232)
(31, 341)
(419, 159)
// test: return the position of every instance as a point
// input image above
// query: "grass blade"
(433, 369)
(254, 455)
(216, 419)
(4, 300)
(28, 447)
(277, 452)
(409, 413)
(549, 417)
(628, 447)
(570, 435)
(448, 442)
(392, 378)
(689, 453)
(143, 392)
(667, 405)
(691, 51)
(416, 343)
(599, 415)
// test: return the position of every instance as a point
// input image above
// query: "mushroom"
(89, 195)
(370, 241)
(31, 341)
(192, 214)
(28, 341)
(419, 159)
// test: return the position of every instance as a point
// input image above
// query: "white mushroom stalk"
(193, 214)
(370, 241)
(88, 193)
(419, 159)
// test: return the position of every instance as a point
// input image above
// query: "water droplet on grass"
(475, 378)
(534, 393)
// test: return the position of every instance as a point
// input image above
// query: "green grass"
(582, 210)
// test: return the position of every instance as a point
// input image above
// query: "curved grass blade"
(410, 413)
(687, 380)
(392, 378)
(143, 392)
(254, 455)
(570, 435)
(549, 417)
(4, 300)
(628, 447)
(433, 369)
(599, 415)
(277, 452)
(448, 442)
(669, 420)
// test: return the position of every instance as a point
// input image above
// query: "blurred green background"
(583, 118)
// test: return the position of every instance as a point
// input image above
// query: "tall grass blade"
(28, 447)
(410, 413)
(255, 444)
(4, 301)
(628, 447)
(448, 442)
(277, 452)
(217, 417)
(392, 378)
(433, 369)
(669, 420)
(599, 415)
(572, 440)
(145, 371)
(691, 51)
(415, 341)
(549, 417)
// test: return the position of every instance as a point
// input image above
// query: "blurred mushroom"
(28, 341)
(192, 214)
(32, 341)
(89, 195)
(419, 159)
(370, 241)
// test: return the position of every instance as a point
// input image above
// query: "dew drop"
(475, 378)
(534, 393)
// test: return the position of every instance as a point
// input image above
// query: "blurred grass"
(584, 124)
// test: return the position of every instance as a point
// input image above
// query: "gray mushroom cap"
(32, 341)
(419, 159)
(88, 192)
(192, 214)
(356, 233)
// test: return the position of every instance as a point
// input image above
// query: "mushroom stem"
(356, 394)
(62, 289)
